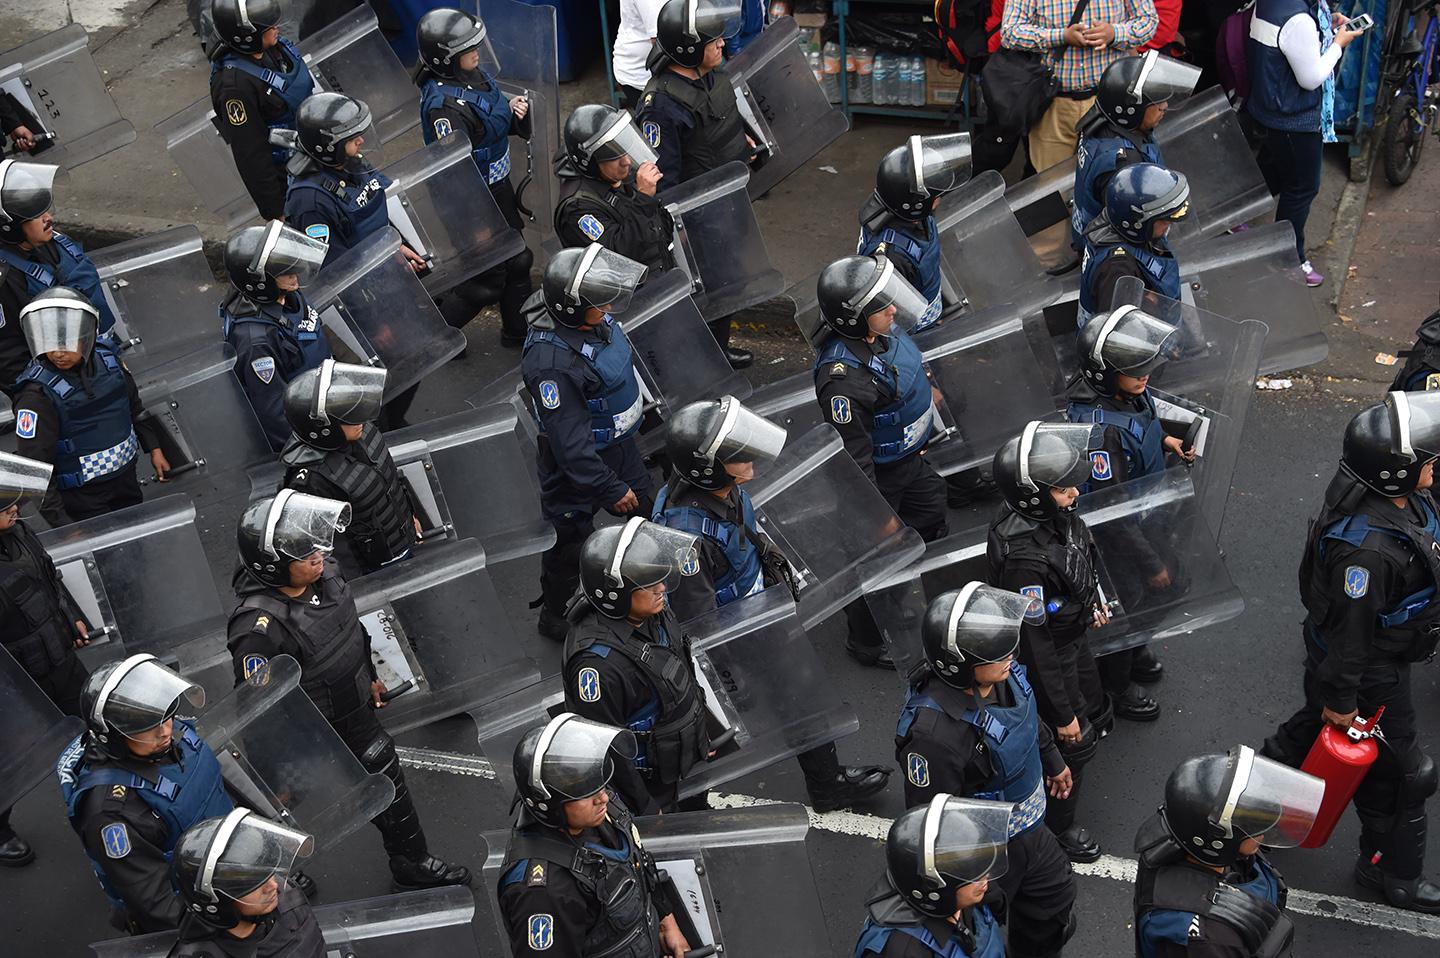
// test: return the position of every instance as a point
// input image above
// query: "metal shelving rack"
(841, 11)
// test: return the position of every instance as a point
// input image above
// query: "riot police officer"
(970, 727)
(898, 220)
(939, 860)
(714, 446)
(293, 601)
(607, 194)
(134, 782)
(77, 407)
(586, 396)
(871, 384)
(459, 92)
(1205, 886)
(627, 659)
(576, 879)
(688, 112)
(1130, 101)
(258, 79)
(1037, 546)
(336, 452)
(1422, 360)
(40, 624)
(275, 333)
(34, 257)
(233, 874)
(1128, 238)
(1366, 579)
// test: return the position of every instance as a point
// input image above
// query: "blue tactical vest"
(745, 575)
(292, 87)
(903, 425)
(1140, 433)
(74, 270)
(97, 438)
(300, 329)
(1096, 158)
(1164, 924)
(923, 254)
(182, 794)
(491, 108)
(1354, 529)
(1160, 273)
(1011, 737)
(359, 198)
(616, 413)
(989, 939)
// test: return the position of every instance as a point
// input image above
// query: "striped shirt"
(1039, 25)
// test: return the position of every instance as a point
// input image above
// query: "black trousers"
(560, 564)
(507, 284)
(1039, 889)
(399, 825)
(99, 497)
(1082, 684)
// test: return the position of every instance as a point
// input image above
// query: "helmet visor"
(980, 615)
(1414, 424)
(26, 190)
(889, 288)
(712, 19)
(1057, 454)
(246, 851)
(574, 756)
(744, 436)
(1133, 342)
(620, 138)
(965, 838)
(299, 525)
(605, 279)
(22, 479)
(941, 163)
(141, 693)
(285, 251)
(648, 554)
(349, 393)
(1162, 78)
(55, 325)
(1270, 801)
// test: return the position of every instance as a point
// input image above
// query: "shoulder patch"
(1100, 465)
(840, 409)
(535, 876)
(116, 840)
(442, 128)
(320, 232)
(1357, 581)
(541, 931)
(591, 227)
(1035, 611)
(588, 684)
(264, 368)
(1432, 381)
(235, 112)
(25, 423)
(549, 394)
(253, 664)
(917, 770)
(651, 130)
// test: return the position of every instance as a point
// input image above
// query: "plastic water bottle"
(902, 81)
(864, 75)
(884, 70)
(830, 57)
(817, 66)
(917, 95)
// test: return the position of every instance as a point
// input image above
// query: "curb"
(1349, 214)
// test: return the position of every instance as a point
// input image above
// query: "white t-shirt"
(632, 41)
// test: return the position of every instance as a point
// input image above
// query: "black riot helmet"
(566, 759)
(617, 560)
(444, 34)
(132, 696)
(325, 122)
(1142, 194)
(320, 400)
(594, 277)
(976, 625)
(27, 191)
(241, 23)
(22, 479)
(1046, 455)
(1131, 85)
(1125, 340)
(854, 288)
(287, 527)
(1387, 445)
(221, 860)
(60, 319)
(595, 133)
(1215, 802)
(685, 27)
(256, 256)
(703, 437)
(935, 849)
(911, 176)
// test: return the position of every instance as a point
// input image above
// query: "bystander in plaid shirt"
(1039, 25)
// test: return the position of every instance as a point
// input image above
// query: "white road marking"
(433, 760)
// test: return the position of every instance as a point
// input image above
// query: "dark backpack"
(961, 26)
(1230, 61)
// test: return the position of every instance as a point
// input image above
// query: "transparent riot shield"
(740, 879)
(678, 359)
(163, 294)
(789, 403)
(208, 166)
(352, 57)
(35, 731)
(140, 578)
(53, 79)
(431, 922)
(440, 204)
(786, 112)
(718, 242)
(836, 529)
(1202, 139)
(283, 759)
(376, 308)
(986, 254)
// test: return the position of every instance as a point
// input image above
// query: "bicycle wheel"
(1404, 139)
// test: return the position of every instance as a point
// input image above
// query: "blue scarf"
(1327, 99)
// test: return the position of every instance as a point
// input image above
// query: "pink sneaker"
(1312, 278)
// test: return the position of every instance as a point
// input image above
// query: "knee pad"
(379, 756)
(1421, 783)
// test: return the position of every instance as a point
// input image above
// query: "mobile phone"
(1362, 22)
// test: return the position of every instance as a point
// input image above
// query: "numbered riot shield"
(739, 879)
(431, 922)
(718, 242)
(987, 258)
(35, 731)
(1202, 139)
(442, 207)
(786, 112)
(53, 79)
(374, 306)
(283, 759)
(352, 57)
(140, 578)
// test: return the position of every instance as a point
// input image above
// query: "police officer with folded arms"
(275, 332)
(336, 452)
(970, 727)
(1367, 580)
(258, 79)
(292, 600)
(579, 374)
(1128, 237)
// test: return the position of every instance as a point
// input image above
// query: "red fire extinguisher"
(1341, 758)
